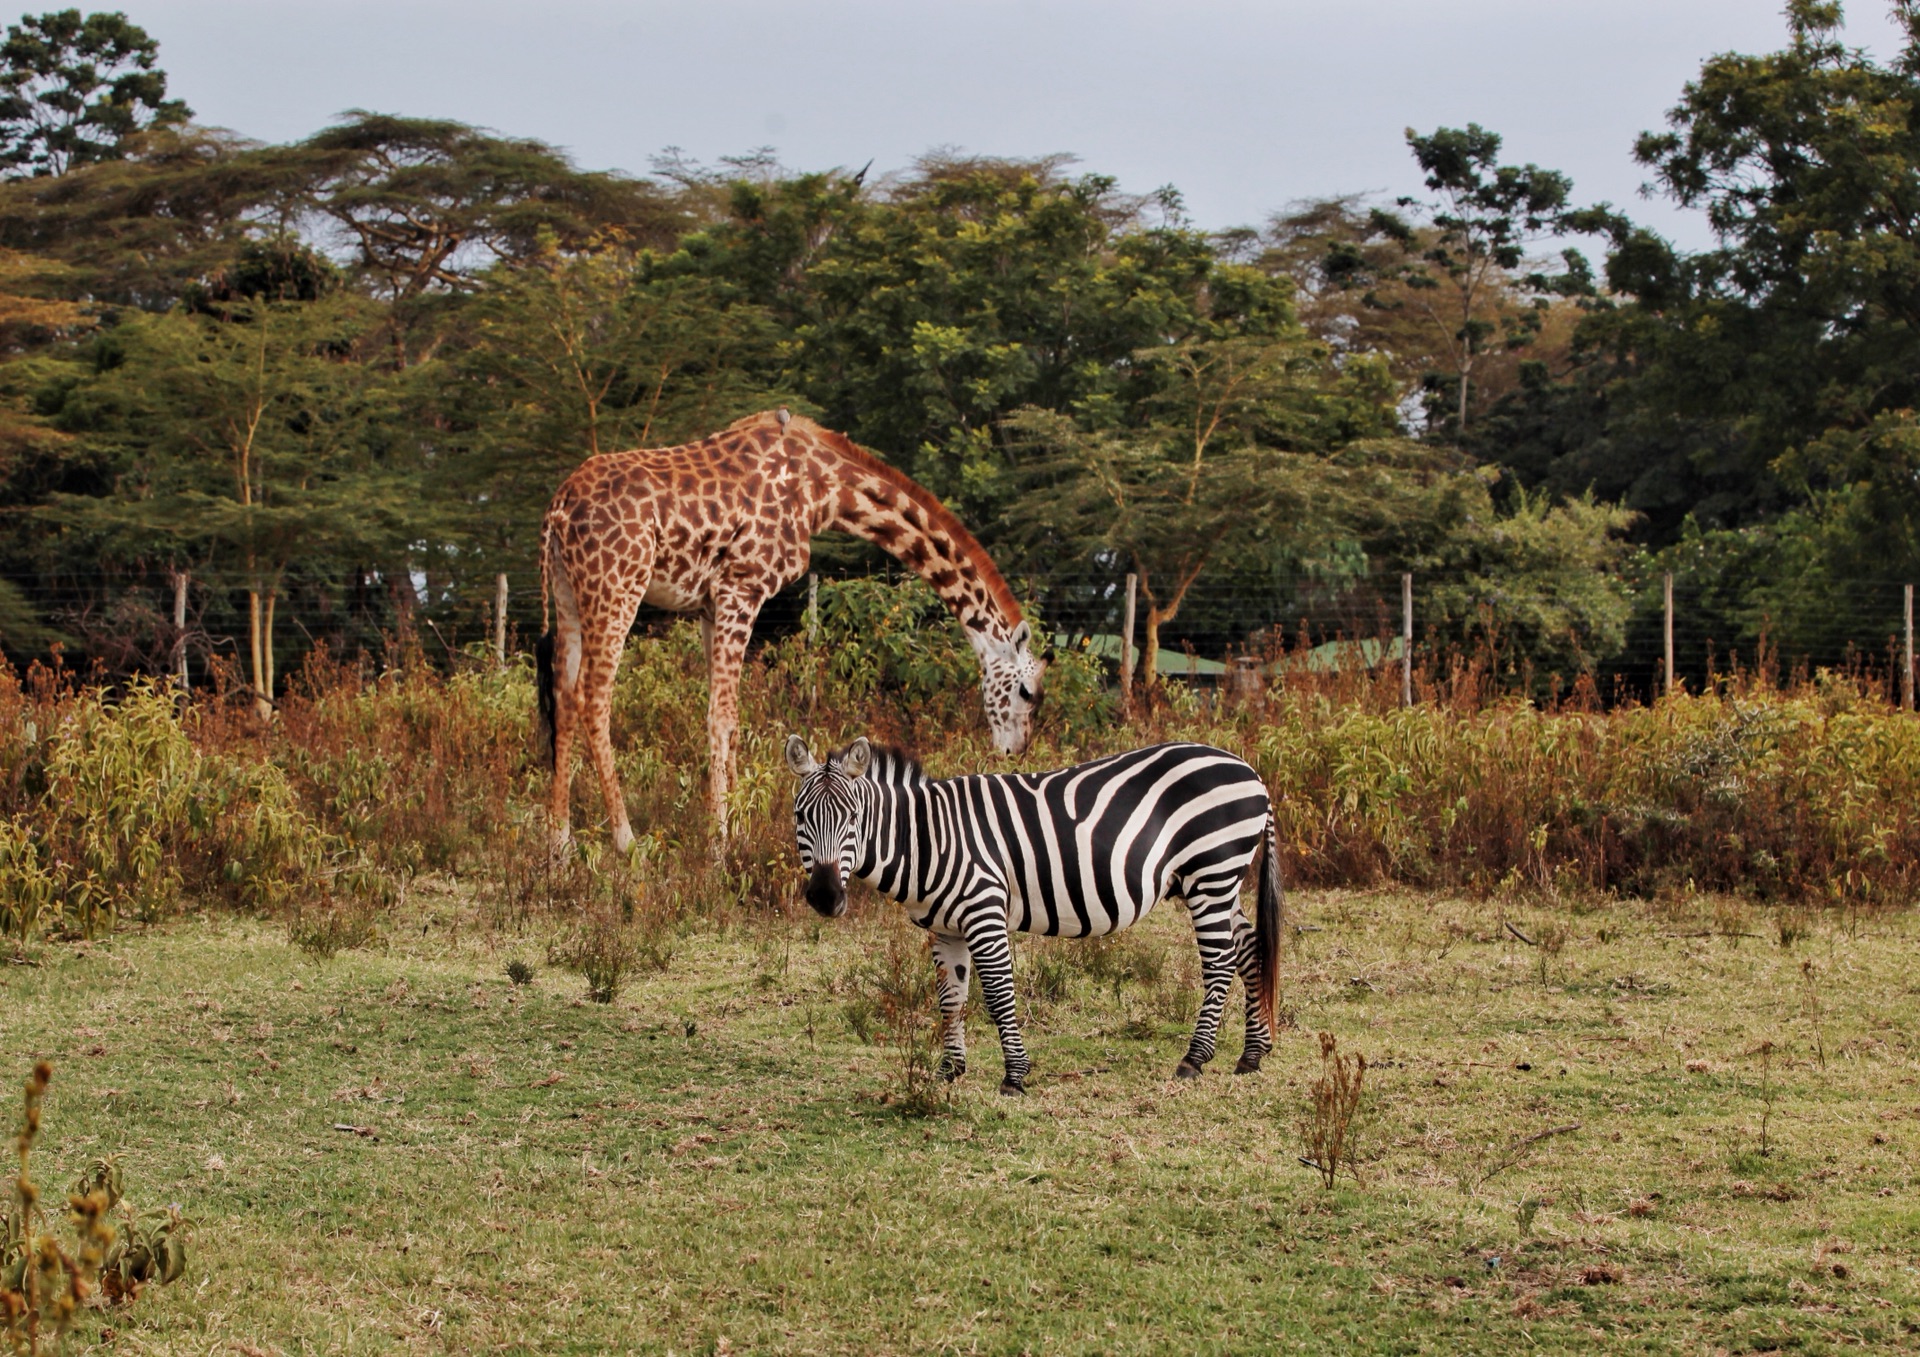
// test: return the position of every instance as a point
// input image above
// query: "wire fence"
(127, 623)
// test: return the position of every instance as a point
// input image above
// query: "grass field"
(717, 1163)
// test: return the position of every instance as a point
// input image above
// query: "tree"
(1365, 285)
(1752, 400)
(1486, 217)
(924, 312)
(144, 229)
(73, 90)
(1211, 470)
(243, 438)
(423, 207)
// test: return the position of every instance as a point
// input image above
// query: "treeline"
(333, 383)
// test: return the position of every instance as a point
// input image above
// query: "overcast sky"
(1243, 105)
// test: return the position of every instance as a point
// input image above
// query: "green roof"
(1329, 658)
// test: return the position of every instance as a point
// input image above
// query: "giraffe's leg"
(731, 629)
(1212, 906)
(1246, 955)
(559, 790)
(951, 964)
(992, 951)
(605, 640)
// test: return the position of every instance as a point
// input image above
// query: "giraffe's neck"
(872, 500)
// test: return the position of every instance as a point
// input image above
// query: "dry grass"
(716, 1160)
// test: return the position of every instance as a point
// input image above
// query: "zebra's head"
(828, 812)
(1012, 679)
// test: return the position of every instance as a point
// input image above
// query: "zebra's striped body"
(1079, 852)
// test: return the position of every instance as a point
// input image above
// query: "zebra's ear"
(799, 758)
(854, 762)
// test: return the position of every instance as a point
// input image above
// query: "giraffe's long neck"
(872, 500)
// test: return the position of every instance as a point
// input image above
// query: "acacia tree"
(243, 438)
(73, 89)
(424, 207)
(1212, 470)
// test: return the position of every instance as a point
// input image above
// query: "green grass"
(714, 1163)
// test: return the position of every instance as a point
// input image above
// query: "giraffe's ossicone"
(716, 528)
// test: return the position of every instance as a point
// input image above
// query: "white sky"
(1242, 105)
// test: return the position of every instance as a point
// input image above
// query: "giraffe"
(716, 528)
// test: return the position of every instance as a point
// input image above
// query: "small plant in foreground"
(1328, 1126)
(598, 948)
(1766, 1096)
(891, 1003)
(519, 972)
(608, 942)
(45, 1282)
(333, 924)
(1810, 1001)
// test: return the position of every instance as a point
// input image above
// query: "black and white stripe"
(1080, 852)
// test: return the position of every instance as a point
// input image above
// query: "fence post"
(500, 621)
(1906, 674)
(1406, 638)
(1126, 650)
(180, 578)
(1669, 674)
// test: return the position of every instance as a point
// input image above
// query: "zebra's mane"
(892, 766)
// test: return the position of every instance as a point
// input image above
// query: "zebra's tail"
(1270, 925)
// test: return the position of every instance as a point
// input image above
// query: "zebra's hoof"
(951, 1069)
(1249, 1062)
(1186, 1069)
(1012, 1088)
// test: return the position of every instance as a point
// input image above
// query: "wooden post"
(180, 578)
(500, 620)
(1126, 649)
(1669, 674)
(1406, 639)
(1906, 674)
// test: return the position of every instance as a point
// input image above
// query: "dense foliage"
(133, 807)
(331, 384)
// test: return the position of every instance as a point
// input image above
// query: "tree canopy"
(337, 379)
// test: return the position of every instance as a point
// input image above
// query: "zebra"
(1079, 852)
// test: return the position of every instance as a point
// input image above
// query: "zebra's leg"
(951, 963)
(987, 941)
(1246, 950)
(1213, 910)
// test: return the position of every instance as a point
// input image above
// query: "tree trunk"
(1150, 652)
(1466, 372)
(260, 650)
(180, 630)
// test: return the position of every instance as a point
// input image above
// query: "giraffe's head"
(828, 813)
(1012, 679)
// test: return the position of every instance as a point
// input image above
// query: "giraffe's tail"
(543, 717)
(1270, 924)
(543, 656)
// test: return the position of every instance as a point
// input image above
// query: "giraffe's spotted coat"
(718, 527)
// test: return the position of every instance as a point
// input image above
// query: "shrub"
(134, 818)
(892, 1000)
(1327, 1126)
(45, 1280)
